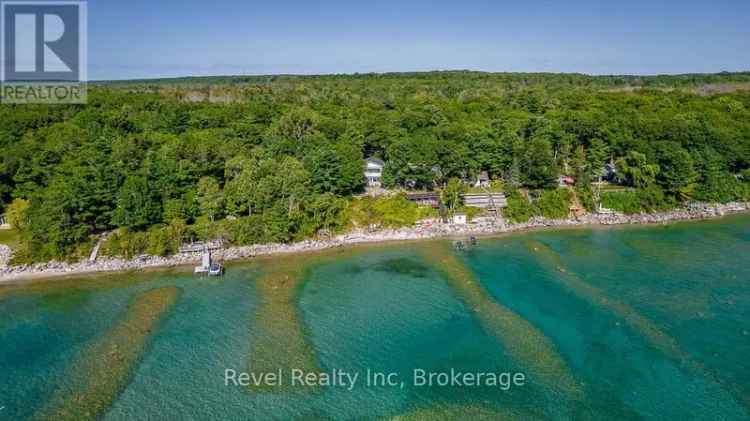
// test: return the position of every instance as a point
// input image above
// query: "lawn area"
(8, 237)
(495, 186)
(609, 187)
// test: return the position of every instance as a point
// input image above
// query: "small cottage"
(483, 179)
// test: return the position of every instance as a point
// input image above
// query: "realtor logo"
(43, 51)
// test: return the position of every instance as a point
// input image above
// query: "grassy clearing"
(9, 237)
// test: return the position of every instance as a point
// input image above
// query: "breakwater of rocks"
(5, 255)
(423, 230)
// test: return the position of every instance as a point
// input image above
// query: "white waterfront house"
(373, 172)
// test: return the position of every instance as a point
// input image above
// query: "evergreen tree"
(538, 167)
(137, 205)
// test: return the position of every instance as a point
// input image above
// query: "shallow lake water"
(631, 323)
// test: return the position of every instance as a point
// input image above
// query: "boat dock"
(208, 266)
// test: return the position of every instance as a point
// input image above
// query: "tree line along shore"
(279, 160)
(481, 226)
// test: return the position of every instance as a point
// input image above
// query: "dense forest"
(279, 158)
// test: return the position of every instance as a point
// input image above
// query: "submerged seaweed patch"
(404, 266)
(354, 269)
(104, 368)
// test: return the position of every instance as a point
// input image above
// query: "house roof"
(375, 161)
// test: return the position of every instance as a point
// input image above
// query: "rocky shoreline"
(5, 255)
(423, 230)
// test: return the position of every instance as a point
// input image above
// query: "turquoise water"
(652, 323)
